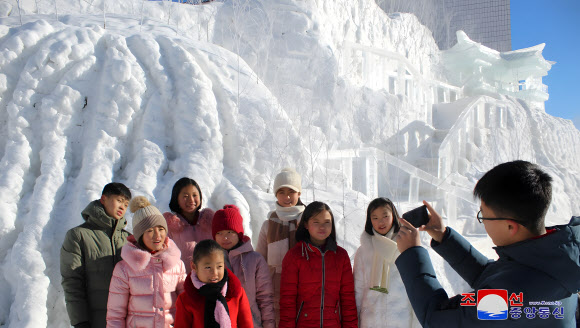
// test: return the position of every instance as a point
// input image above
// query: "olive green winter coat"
(87, 259)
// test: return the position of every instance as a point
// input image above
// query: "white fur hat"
(145, 216)
(288, 178)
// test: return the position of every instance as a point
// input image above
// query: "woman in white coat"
(381, 299)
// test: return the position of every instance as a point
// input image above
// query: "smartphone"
(417, 216)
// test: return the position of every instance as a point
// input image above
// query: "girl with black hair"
(187, 222)
(380, 294)
(214, 296)
(318, 286)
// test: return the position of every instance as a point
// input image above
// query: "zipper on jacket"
(299, 311)
(243, 267)
(322, 293)
(112, 238)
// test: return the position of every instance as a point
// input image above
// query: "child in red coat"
(213, 295)
(318, 285)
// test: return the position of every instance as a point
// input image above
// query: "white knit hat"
(145, 216)
(288, 178)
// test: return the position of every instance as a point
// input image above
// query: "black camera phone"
(417, 216)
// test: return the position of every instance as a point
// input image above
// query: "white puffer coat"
(377, 309)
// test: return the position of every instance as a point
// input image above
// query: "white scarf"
(385, 253)
(286, 214)
(281, 233)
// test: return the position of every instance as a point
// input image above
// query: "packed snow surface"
(229, 94)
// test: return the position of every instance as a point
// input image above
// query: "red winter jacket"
(191, 305)
(311, 278)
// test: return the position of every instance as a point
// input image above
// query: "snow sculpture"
(484, 71)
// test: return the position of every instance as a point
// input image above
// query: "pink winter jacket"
(254, 274)
(186, 235)
(145, 286)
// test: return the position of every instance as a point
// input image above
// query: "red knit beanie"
(228, 219)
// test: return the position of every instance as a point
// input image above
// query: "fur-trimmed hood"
(138, 259)
(144, 287)
(176, 223)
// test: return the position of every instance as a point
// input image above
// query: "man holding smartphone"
(537, 273)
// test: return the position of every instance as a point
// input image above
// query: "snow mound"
(82, 107)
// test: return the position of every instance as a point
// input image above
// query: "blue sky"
(557, 24)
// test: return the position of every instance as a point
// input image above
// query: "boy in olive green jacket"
(89, 254)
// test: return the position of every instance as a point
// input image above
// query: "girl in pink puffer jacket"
(145, 285)
(188, 224)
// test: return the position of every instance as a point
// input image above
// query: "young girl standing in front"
(380, 294)
(277, 235)
(214, 296)
(147, 281)
(318, 289)
(187, 222)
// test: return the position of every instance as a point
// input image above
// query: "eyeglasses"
(480, 218)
